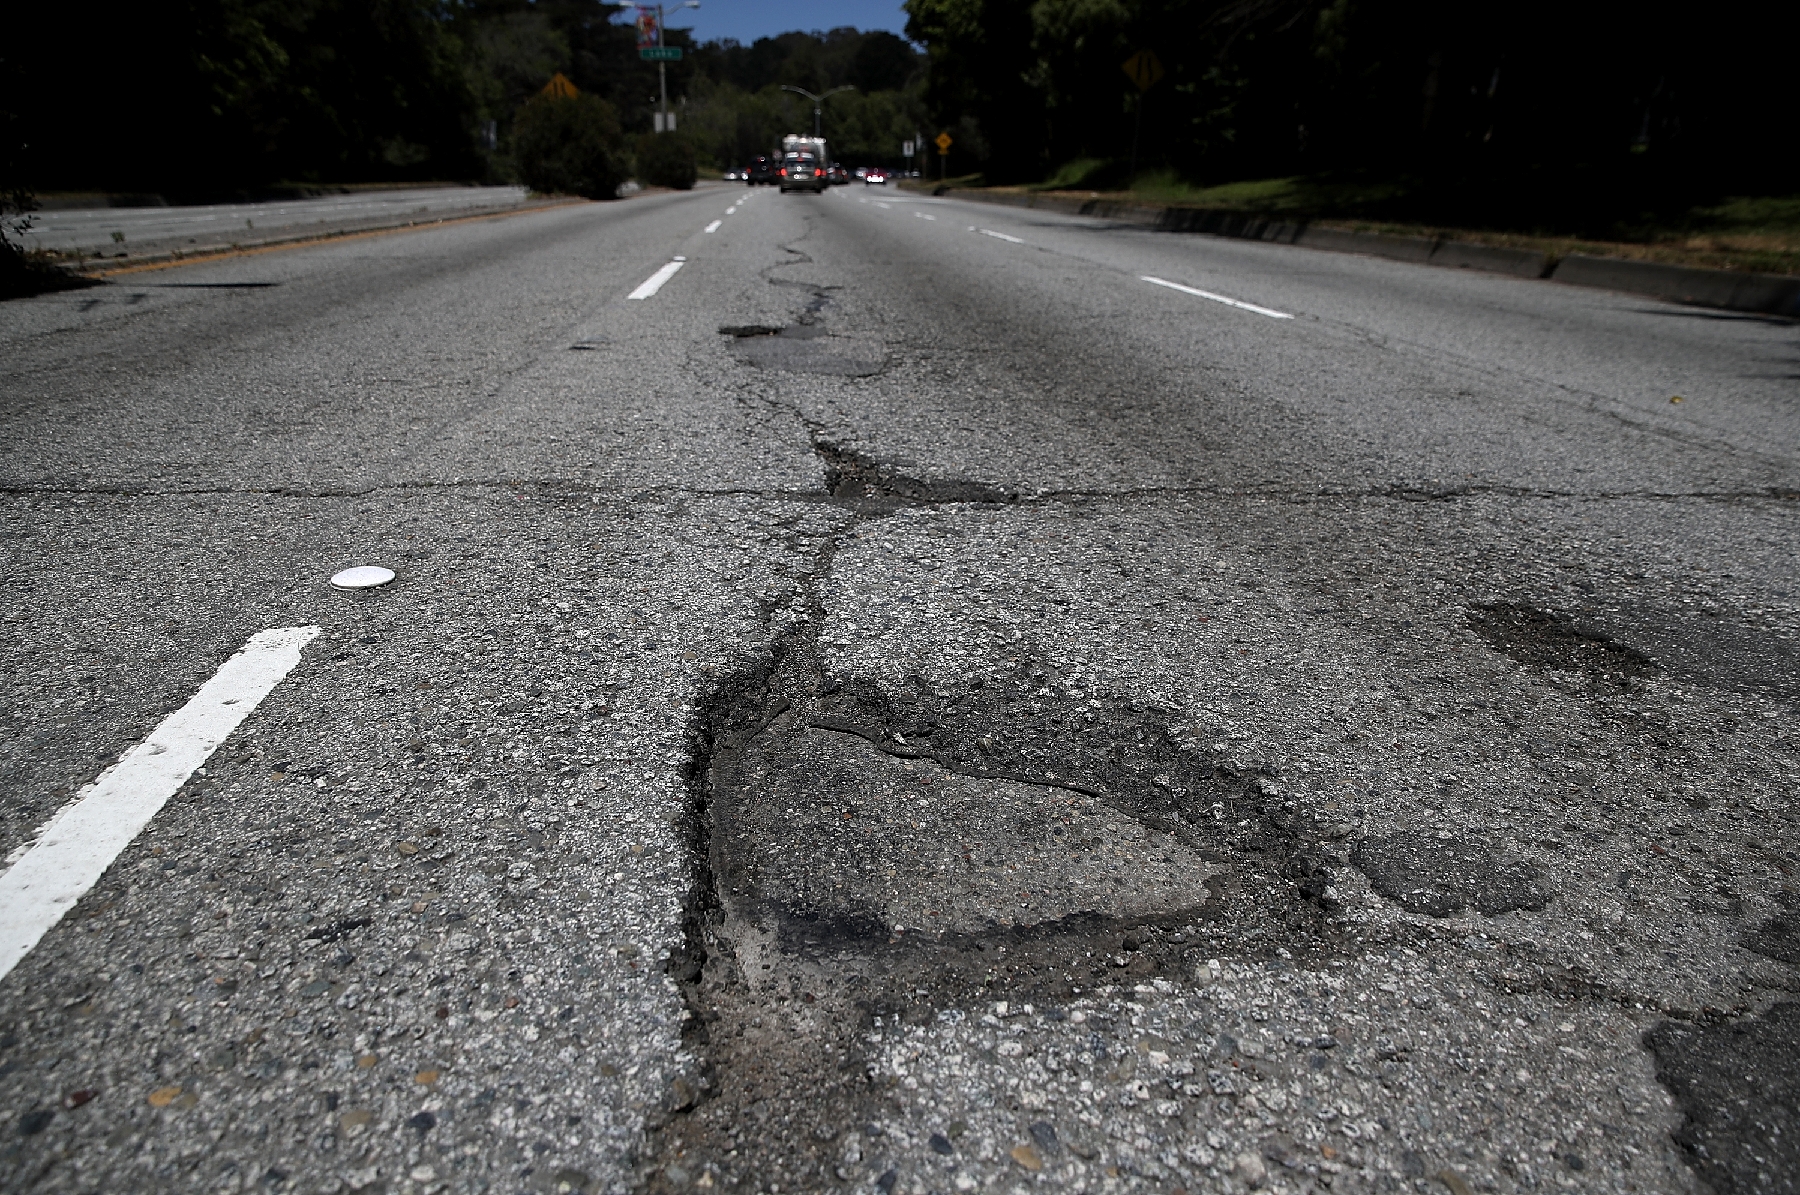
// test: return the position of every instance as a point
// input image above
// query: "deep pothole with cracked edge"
(792, 947)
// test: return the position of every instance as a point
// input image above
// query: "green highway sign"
(660, 53)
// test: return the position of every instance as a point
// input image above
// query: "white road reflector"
(655, 282)
(714, 226)
(1207, 294)
(363, 576)
(988, 232)
(74, 849)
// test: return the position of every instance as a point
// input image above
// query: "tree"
(666, 160)
(572, 146)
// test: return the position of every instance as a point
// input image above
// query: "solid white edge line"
(81, 842)
(654, 283)
(991, 233)
(1207, 294)
(714, 226)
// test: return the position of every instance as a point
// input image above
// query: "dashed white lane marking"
(988, 232)
(923, 216)
(714, 226)
(80, 842)
(1207, 294)
(888, 206)
(654, 283)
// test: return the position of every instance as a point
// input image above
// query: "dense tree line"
(736, 108)
(206, 98)
(1610, 100)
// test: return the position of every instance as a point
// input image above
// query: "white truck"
(796, 143)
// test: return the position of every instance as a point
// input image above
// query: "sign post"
(651, 49)
(943, 143)
(1143, 68)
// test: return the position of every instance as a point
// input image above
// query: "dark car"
(762, 170)
(801, 172)
(836, 175)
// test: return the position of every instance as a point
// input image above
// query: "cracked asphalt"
(906, 710)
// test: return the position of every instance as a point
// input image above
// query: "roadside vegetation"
(1760, 234)
(1548, 122)
(261, 98)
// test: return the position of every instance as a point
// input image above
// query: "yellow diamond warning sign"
(1145, 68)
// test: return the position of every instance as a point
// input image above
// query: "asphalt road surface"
(896, 695)
(127, 232)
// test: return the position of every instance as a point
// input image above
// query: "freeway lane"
(906, 709)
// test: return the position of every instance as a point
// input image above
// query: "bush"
(573, 146)
(666, 160)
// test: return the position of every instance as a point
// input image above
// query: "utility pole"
(817, 100)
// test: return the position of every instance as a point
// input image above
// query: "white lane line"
(923, 216)
(1207, 294)
(654, 283)
(80, 843)
(991, 233)
(888, 206)
(714, 226)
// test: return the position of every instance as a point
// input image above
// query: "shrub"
(666, 160)
(570, 145)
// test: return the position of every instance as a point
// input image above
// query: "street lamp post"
(817, 99)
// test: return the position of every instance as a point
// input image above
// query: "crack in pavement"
(853, 470)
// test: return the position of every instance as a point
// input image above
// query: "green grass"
(1284, 195)
(1275, 195)
(1753, 233)
(1073, 175)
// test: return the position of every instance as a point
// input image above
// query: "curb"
(1769, 294)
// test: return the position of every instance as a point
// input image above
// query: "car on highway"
(875, 175)
(836, 175)
(762, 170)
(801, 172)
(735, 175)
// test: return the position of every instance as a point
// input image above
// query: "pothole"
(896, 854)
(1425, 873)
(1779, 936)
(1738, 1086)
(859, 479)
(1547, 640)
(807, 346)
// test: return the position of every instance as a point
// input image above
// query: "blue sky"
(748, 20)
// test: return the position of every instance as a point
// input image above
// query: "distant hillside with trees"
(199, 99)
(1570, 109)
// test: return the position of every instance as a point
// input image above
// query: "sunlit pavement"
(883, 693)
